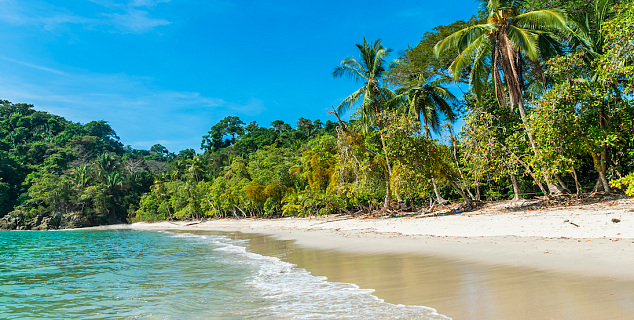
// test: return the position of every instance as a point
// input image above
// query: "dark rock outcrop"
(12, 222)
(16, 221)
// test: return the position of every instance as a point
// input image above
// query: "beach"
(572, 262)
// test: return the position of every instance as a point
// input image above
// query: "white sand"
(535, 238)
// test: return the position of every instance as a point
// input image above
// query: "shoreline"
(494, 263)
(540, 239)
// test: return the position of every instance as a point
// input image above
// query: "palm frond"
(399, 101)
(548, 19)
(524, 40)
(442, 80)
(351, 100)
(350, 69)
(492, 5)
(549, 45)
(602, 11)
(445, 108)
(441, 93)
(378, 64)
(461, 39)
(466, 56)
(479, 75)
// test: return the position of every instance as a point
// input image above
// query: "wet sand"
(459, 289)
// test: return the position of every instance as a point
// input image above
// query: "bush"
(627, 182)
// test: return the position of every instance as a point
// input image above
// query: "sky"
(165, 71)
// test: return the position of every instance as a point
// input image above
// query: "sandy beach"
(572, 262)
(589, 243)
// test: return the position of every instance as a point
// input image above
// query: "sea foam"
(292, 292)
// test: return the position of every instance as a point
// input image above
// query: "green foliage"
(626, 182)
(223, 134)
(421, 61)
(564, 66)
(51, 167)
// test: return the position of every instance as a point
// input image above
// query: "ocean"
(129, 274)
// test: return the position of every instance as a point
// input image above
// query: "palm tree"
(589, 35)
(504, 43)
(589, 38)
(370, 70)
(113, 180)
(106, 162)
(427, 100)
(196, 167)
(81, 176)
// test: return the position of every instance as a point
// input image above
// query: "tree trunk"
(601, 167)
(526, 166)
(388, 174)
(471, 194)
(603, 124)
(603, 173)
(598, 185)
(552, 188)
(462, 194)
(388, 196)
(561, 183)
(439, 198)
(577, 185)
(516, 188)
(455, 158)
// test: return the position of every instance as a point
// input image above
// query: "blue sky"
(165, 71)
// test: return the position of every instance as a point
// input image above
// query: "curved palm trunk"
(552, 188)
(511, 67)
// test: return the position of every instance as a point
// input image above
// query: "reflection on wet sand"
(461, 289)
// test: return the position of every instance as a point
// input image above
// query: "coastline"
(539, 239)
(493, 263)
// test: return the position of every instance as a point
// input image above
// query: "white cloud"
(146, 3)
(33, 65)
(135, 21)
(136, 108)
(128, 17)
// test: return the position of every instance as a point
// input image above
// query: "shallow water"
(119, 274)
(462, 289)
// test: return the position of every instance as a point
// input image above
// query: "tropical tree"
(591, 42)
(506, 45)
(427, 100)
(374, 95)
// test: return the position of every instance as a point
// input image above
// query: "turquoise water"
(126, 274)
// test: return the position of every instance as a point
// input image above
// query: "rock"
(12, 221)
(74, 220)
(15, 221)
(45, 223)
(34, 223)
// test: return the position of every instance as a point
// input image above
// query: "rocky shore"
(16, 221)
